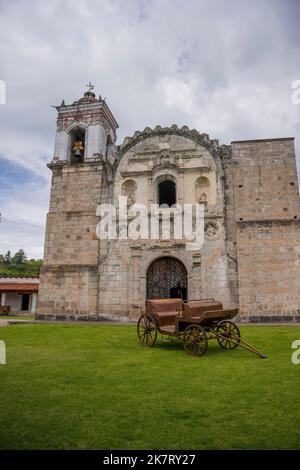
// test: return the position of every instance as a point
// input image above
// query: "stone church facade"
(251, 253)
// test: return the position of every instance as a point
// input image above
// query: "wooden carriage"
(195, 322)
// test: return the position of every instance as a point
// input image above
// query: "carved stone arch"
(219, 153)
(211, 145)
(77, 125)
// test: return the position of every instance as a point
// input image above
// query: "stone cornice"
(267, 222)
(134, 174)
(149, 172)
(59, 164)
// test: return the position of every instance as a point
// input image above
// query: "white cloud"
(178, 95)
(19, 233)
(23, 215)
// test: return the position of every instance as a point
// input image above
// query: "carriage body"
(194, 322)
(206, 312)
(172, 316)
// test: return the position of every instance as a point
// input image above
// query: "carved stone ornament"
(129, 190)
(202, 198)
(211, 145)
(211, 230)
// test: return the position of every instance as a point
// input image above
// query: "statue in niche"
(202, 190)
(129, 190)
(202, 198)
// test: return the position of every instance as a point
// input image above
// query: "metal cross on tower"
(90, 86)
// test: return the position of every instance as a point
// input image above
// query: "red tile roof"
(18, 287)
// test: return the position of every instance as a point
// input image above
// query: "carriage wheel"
(146, 331)
(195, 340)
(227, 328)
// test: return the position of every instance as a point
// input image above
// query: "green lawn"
(82, 386)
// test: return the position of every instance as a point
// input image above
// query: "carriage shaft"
(242, 343)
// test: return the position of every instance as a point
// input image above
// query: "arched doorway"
(164, 276)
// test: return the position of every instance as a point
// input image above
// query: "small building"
(18, 294)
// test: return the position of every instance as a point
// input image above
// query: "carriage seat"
(164, 310)
(194, 309)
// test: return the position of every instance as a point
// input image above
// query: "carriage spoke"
(229, 334)
(195, 340)
(146, 331)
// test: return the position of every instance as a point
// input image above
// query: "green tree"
(19, 265)
(19, 259)
(7, 258)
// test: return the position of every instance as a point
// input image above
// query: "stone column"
(150, 191)
(3, 299)
(33, 302)
(180, 190)
(135, 291)
(96, 141)
(61, 146)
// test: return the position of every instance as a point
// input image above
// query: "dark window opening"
(25, 302)
(167, 193)
(77, 146)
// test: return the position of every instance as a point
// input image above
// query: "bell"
(78, 149)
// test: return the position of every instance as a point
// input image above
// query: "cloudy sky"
(224, 67)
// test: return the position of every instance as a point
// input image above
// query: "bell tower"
(85, 139)
(85, 129)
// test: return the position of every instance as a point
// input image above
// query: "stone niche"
(202, 190)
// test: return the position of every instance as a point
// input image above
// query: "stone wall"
(265, 182)
(67, 291)
(267, 213)
(269, 270)
(69, 276)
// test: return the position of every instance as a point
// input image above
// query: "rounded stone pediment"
(184, 131)
(212, 145)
